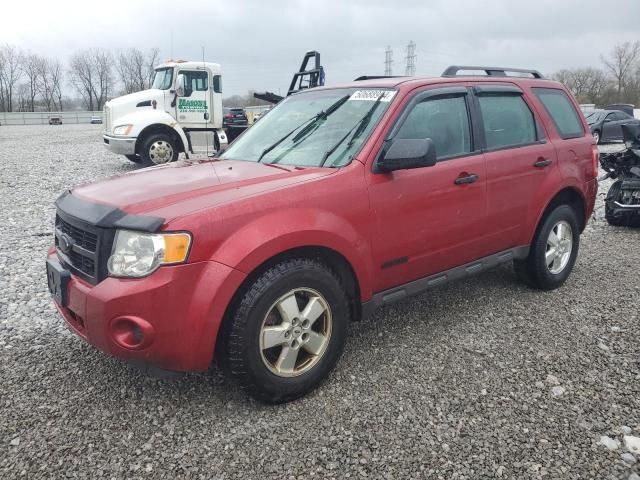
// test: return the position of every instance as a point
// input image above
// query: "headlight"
(137, 254)
(122, 129)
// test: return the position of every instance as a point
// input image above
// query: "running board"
(427, 283)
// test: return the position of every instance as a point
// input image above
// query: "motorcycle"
(622, 203)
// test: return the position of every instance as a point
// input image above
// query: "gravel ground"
(483, 379)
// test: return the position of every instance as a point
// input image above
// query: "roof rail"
(375, 77)
(453, 70)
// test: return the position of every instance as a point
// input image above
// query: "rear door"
(519, 159)
(426, 219)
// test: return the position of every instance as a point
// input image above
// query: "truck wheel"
(134, 158)
(158, 149)
(553, 251)
(287, 331)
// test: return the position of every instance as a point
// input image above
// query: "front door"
(193, 110)
(430, 219)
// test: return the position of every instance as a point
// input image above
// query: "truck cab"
(154, 126)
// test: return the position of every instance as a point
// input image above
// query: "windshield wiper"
(308, 124)
(359, 127)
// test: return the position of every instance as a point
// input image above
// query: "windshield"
(162, 79)
(314, 129)
(593, 117)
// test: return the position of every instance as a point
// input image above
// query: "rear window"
(508, 122)
(561, 111)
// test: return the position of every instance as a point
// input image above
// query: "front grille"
(82, 263)
(82, 238)
(107, 119)
(81, 246)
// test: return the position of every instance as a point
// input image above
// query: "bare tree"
(54, 78)
(21, 100)
(102, 62)
(135, 70)
(10, 73)
(49, 74)
(32, 68)
(587, 84)
(91, 75)
(622, 63)
(152, 60)
(82, 76)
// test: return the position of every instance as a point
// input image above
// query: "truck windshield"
(314, 129)
(162, 78)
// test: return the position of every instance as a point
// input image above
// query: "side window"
(508, 121)
(196, 81)
(561, 111)
(444, 120)
(217, 83)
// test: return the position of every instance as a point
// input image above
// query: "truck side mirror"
(180, 85)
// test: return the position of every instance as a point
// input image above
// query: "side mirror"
(405, 153)
(180, 85)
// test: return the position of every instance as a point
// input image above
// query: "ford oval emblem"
(65, 242)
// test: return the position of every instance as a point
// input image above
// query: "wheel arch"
(567, 196)
(174, 132)
(333, 259)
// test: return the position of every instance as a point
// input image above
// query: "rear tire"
(134, 158)
(158, 149)
(553, 251)
(613, 194)
(282, 302)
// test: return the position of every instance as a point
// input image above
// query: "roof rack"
(375, 77)
(453, 70)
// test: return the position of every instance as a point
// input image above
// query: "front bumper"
(178, 309)
(120, 145)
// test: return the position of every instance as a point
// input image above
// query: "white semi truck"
(154, 126)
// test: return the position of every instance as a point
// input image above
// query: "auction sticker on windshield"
(373, 95)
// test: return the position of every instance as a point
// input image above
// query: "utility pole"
(410, 69)
(388, 61)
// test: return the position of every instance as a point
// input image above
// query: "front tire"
(158, 149)
(287, 331)
(597, 137)
(134, 158)
(553, 251)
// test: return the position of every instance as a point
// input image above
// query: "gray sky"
(261, 43)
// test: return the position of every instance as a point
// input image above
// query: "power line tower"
(410, 69)
(388, 61)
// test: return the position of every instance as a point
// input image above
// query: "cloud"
(260, 43)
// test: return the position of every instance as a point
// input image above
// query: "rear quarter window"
(561, 111)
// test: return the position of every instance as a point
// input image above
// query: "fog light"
(132, 333)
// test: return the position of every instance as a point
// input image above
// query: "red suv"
(341, 200)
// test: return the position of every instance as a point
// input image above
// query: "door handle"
(464, 179)
(542, 162)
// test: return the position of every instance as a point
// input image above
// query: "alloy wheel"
(295, 332)
(559, 247)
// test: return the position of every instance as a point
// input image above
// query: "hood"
(132, 99)
(185, 186)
